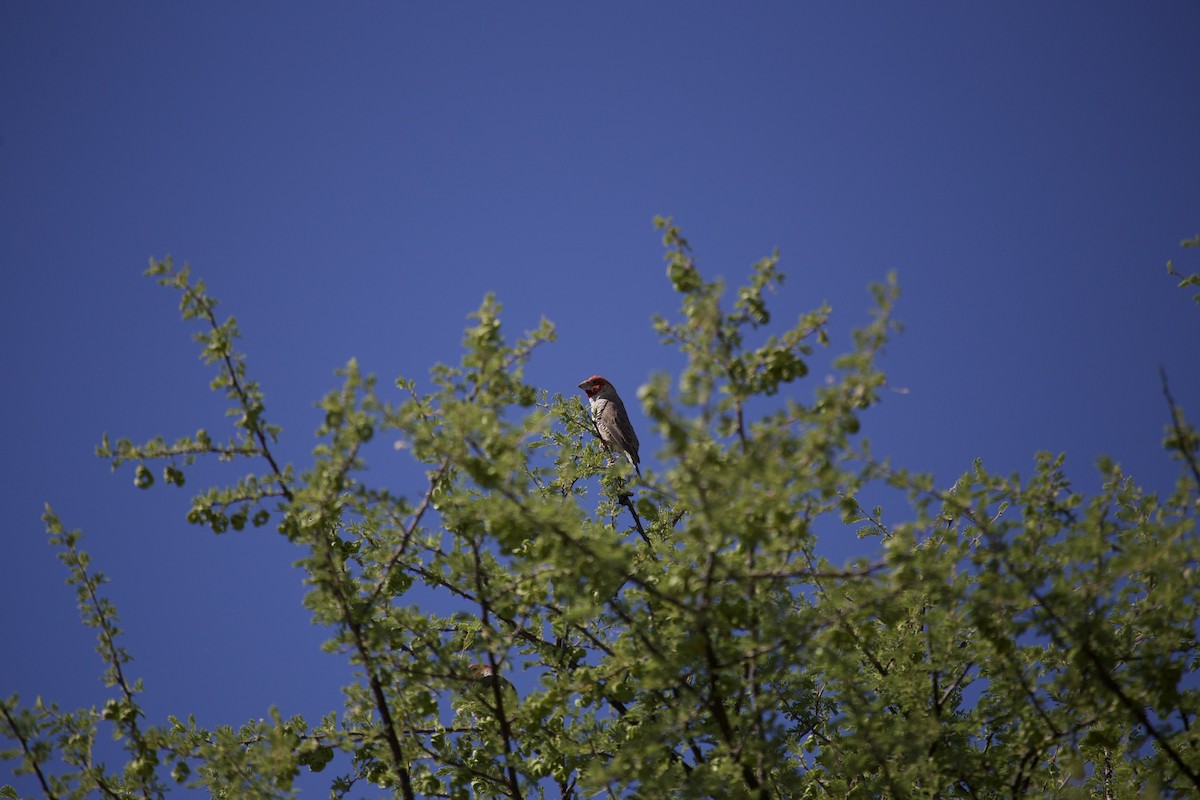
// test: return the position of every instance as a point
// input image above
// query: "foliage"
(1009, 637)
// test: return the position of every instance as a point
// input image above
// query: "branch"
(716, 704)
(243, 396)
(626, 499)
(1177, 423)
(30, 758)
(497, 685)
(100, 613)
(355, 626)
(1110, 683)
(410, 529)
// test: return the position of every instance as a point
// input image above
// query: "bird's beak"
(585, 385)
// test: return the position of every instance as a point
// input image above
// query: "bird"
(483, 682)
(482, 673)
(612, 421)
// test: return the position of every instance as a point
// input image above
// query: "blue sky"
(352, 180)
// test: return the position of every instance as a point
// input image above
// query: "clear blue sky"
(351, 179)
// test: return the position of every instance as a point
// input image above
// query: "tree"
(1008, 638)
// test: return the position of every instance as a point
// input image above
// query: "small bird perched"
(612, 421)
